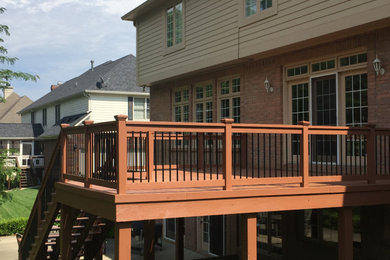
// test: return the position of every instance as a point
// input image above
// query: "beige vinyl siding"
(105, 107)
(211, 31)
(216, 34)
(302, 20)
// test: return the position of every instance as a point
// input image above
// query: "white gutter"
(112, 92)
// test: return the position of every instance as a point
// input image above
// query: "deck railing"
(126, 155)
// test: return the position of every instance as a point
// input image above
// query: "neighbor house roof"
(118, 75)
(19, 130)
(55, 130)
(11, 106)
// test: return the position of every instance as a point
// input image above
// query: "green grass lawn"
(19, 204)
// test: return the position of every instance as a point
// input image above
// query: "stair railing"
(44, 196)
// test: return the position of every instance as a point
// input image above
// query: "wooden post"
(227, 153)
(121, 154)
(345, 233)
(371, 155)
(122, 241)
(68, 215)
(149, 239)
(304, 153)
(63, 148)
(179, 239)
(150, 155)
(249, 236)
(88, 152)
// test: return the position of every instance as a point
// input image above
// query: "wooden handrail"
(41, 189)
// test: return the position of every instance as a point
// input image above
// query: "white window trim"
(244, 20)
(229, 96)
(175, 47)
(203, 100)
(181, 103)
(145, 109)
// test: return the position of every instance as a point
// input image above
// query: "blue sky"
(56, 39)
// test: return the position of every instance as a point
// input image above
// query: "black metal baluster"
(169, 156)
(210, 156)
(191, 156)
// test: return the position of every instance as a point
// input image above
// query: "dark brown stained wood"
(345, 233)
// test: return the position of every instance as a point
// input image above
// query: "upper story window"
(138, 108)
(175, 25)
(254, 10)
(57, 112)
(254, 6)
(44, 116)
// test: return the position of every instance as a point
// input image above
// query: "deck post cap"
(64, 125)
(120, 117)
(88, 122)
(227, 120)
(304, 123)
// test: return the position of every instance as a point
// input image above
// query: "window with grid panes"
(204, 103)
(356, 110)
(181, 105)
(300, 109)
(174, 24)
(229, 99)
(256, 6)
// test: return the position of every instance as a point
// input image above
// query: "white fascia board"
(127, 93)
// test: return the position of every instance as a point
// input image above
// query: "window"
(44, 116)
(14, 147)
(356, 106)
(251, 11)
(296, 71)
(138, 108)
(255, 6)
(181, 107)
(32, 117)
(353, 60)
(323, 65)
(170, 228)
(229, 99)
(57, 113)
(3, 144)
(174, 25)
(204, 103)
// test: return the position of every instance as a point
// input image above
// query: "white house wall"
(104, 107)
(73, 106)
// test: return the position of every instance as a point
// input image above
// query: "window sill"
(174, 48)
(244, 20)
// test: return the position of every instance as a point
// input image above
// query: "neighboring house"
(98, 94)
(20, 141)
(270, 62)
(12, 104)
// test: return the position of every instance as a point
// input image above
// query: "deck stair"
(41, 239)
(26, 180)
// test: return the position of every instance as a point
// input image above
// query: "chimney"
(53, 87)
(7, 92)
(92, 65)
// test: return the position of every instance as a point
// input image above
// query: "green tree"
(6, 75)
(8, 170)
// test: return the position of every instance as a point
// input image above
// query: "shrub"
(12, 226)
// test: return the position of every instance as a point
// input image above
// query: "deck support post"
(68, 216)
(149, 239)
(63, 151)
(371, 154)
(227, 153)
(304, 153)
(249, 236)
(345, 233)
(179, 244)
(121, 154)
(88, 152)
(122, 241)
